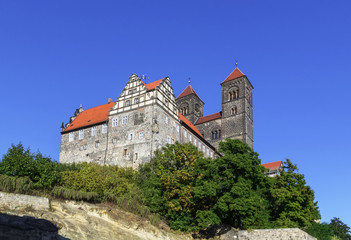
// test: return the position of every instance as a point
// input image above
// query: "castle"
(147, 116)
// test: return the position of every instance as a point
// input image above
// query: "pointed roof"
(273, 165)
(235, 74)
(187, 122)
(90, 117)
(208, 118)
(188, 91)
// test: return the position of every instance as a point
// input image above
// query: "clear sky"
(56, 55)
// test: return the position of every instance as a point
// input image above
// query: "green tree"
(242, 186)
(292, 200)
(193, 192)
(17, 162)
(322, 231)
(340, 229)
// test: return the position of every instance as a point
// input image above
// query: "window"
(195, 141)
(168, 139)
(199, 146)
(85, 147)
(127, 103)
(211, 154)
(131, 135)
(81, 134)
(104, 128)
(190, 137)
(125, 152)
(208, 151)
(114, 122)
(97, 144)
(203, 148)
(130, 92)
(81, 148)
(71, 137)
(136, 156)
(185, 134)
(172, 141)
(234, 110)
(166, 119)
(141, 135)
(136, 100)
(219, 133)
(124, 119)
(93, 131)
(114, 140)
(177, 127)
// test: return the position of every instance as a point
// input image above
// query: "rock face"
(73, 220)
(25, 217)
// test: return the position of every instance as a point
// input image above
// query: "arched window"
(219, 133)
(230, 96)
(216, 134)
(213, 135)
(234, 110)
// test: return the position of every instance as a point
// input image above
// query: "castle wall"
(88, 149)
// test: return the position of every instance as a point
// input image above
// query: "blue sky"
(56, 55)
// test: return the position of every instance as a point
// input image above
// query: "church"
(147, 116)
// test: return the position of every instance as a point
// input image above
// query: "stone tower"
(237, 119)
(190, 104)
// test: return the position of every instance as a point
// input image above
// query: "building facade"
(146, 117)
(235, 120)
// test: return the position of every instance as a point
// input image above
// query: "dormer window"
(130, 92)
(136, 100)
(127, 103)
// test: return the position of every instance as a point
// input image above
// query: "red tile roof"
(235, 74)
(153, 85)
(209, 118)
(91, 116)
(188, 91)
(187, 122)
(273, 165)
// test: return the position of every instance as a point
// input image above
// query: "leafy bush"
(70, 194)
(322, 231)
(15, 184)
(107, 181)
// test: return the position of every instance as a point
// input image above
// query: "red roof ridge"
(210, 117)
(235, 74)
(152, 85)
(90, 117)
(187, 122)
(188, 91)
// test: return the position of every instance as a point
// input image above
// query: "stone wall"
(268, 234)
(14, 201)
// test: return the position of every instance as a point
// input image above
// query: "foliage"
(340, 229)
(21, 162)
(70, 194)
(106, 181)
(292, 200)
(195, 193)
(321, 231)
(15, 184)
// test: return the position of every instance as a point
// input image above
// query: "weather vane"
(189, 80)
(236, 62)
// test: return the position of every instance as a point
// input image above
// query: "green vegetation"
(179, 185)
(335, 230)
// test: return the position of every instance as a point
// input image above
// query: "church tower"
(237, 119)
(190, 105)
